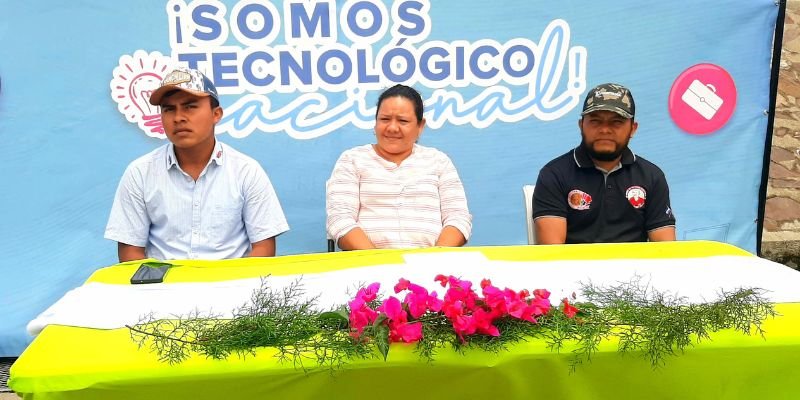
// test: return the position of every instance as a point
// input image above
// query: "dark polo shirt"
(620, 207)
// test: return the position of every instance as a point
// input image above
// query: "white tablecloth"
(107, 306)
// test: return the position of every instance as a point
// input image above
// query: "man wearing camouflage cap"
(193, 198)
(601, 191)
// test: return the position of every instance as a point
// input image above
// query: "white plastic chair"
(330, 242)
(527, 192)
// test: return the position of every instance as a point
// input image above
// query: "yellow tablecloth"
(79, 363)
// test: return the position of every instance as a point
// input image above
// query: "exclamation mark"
(577, 70)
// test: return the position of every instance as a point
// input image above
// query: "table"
(67, 362)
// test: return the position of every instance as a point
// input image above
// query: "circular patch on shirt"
(636, 196)
(579, 200)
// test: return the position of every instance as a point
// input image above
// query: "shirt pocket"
(226, 223)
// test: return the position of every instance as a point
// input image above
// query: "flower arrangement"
(641, 319)
(468, 313)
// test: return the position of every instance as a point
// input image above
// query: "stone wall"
(781, 235)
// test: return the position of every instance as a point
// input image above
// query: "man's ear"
(634, 127)
(217, 114)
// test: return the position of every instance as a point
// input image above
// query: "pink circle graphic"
(702, 99)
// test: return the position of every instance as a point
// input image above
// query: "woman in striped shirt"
(396, 193)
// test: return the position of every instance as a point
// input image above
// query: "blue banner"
(503, 84)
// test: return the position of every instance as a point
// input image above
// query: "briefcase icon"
(703, 99)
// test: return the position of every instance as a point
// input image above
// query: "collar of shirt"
(582, 159)
(217, 156)
(390, 165)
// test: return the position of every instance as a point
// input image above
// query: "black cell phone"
(150, 272)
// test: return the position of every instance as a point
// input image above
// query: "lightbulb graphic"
(140, 89)
(135, 78)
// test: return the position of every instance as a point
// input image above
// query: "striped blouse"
(397, 206)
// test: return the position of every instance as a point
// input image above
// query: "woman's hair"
(402, 91)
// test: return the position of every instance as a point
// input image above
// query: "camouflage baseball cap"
(185, 79)
(610, 97)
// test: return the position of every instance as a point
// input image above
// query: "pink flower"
(543, 293)
(541, 302)
(417, 289)
(464, 325)
(569, 310)
(400, 330)
(368, 293)
(520, 310)
(393, 309)
(401, 285)
(434, 303)
(360, 313)
(496, 300)
(360, 316)
(458, 283)
(441, 279)
(460, 291)
(405, 332)
(418, 300)
(483, 323)
(540, 306)
(419, 304)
